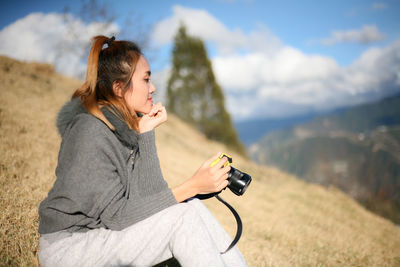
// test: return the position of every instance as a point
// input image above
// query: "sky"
(273, 59)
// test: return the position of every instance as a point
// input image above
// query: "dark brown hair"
(114, 63)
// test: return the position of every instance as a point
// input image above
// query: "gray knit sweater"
(101, 180)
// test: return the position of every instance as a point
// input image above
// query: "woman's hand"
(205, 180)
(156, 116)
(211, 179)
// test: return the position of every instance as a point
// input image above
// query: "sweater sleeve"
(152, 180)
(148, 191)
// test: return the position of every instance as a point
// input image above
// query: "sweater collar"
(125, 135)
(74, 107)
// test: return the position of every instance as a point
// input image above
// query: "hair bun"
(109, 42)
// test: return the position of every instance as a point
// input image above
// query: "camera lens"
(238, 181)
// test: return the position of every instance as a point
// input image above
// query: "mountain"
(286, 221)
(356, 150)
(250, 131)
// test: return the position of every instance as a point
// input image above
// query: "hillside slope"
(286, 221)
(357, 150)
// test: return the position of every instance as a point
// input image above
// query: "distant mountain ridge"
(363, 118)
(357, 150)
(250, 131)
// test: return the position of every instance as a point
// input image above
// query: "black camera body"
(238, 181)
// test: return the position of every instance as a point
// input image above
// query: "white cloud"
(291, 82)
(367, 34)
(279, 80)
(54, 38)
(203, 25)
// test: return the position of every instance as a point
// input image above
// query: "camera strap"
(234, 212)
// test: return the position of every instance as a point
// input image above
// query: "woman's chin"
(148, 109)
(145, 109)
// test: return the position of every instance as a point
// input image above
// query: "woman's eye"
(147, 80)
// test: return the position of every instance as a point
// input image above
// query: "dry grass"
(286, 222)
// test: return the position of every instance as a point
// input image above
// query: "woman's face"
(139, 94)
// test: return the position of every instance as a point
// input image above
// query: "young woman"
(110, 205)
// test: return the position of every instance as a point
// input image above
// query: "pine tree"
(194, 95)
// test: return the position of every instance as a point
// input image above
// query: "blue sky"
(272, 58)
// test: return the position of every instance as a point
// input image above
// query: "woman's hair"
(114, 63)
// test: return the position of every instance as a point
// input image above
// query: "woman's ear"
(117, 88)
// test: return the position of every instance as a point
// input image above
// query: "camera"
(238, 181)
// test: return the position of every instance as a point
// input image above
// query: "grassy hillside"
(287, 222)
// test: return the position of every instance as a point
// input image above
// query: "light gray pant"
(187, 231)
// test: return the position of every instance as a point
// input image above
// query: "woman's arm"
(205, 180)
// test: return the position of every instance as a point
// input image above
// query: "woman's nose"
(152, 88)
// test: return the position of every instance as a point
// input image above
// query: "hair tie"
(109, 42)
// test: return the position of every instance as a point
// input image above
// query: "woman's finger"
(222, 185)
(212, 159)
(219, 165)
(156, 108)
(222, 174)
